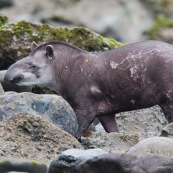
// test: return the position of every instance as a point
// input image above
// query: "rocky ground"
(28, 129)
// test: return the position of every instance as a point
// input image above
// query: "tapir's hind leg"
(168, 111)
(109, 122)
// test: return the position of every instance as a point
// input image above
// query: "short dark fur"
(42, 46)
(135, 76)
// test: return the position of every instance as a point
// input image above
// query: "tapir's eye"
(34, 67)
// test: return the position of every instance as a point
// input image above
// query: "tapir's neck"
(62, 66)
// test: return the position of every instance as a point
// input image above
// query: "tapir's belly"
(131, 99)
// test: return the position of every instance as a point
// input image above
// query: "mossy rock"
(15, 39)
(3, 20)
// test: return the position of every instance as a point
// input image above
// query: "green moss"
(16, 38)
(79, 36)
(160, 23)
(3, 20)
(5, 37)
(34, 162)
(58, 34)
(89, 40)
(22, 28)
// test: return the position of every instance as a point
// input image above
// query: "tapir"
(101, 84)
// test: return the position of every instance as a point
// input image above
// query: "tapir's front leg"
(84, 118)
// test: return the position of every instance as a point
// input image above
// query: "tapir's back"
(140, 72)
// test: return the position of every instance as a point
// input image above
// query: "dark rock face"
(5, 3)
(52, 107)
(167, 131)
(113, 163)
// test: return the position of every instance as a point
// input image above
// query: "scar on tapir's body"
(101, 84)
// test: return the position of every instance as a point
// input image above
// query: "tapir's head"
(35, 69)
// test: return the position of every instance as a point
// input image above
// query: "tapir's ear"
(34, 45)
(49, 52)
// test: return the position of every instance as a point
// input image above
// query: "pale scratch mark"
(133, 102)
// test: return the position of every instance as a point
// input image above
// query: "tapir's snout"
(13, 79)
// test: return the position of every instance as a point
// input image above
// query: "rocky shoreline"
(41, 127)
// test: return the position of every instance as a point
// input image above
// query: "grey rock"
(110, 142)
(52, 107)
(8, 165)
(113, 162)
(27, 136)
(145, 122)
(72, 158)
(154, 146)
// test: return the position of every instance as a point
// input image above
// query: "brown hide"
(135, 76)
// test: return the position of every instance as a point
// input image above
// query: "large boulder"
(52, 107)
(111, 162)
(154, 146)
(33, 137)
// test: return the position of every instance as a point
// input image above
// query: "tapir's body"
(135, 76)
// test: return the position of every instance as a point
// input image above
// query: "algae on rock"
(15, 39)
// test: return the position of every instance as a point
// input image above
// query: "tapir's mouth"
(14, 80)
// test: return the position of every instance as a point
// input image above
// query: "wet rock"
(110, 142)
(8, 165)
(113, 162)
(52, 107)
(154, 146)
(167, 131)
(33, 137)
